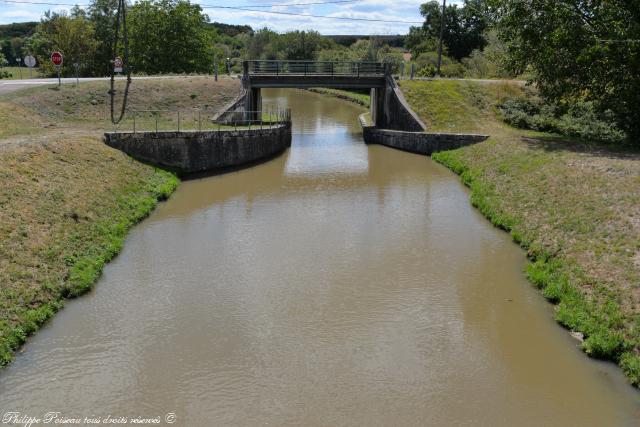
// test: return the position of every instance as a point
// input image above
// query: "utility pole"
(444, 5)
(215, 66)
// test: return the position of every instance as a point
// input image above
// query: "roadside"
(66, 199)
(573, 204)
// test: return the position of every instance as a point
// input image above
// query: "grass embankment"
(355, 97)
(66, 199)
(15, 73)
(574, 205)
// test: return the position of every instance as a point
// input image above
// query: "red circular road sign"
(56, 58)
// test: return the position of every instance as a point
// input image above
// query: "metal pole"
(178, 121)
(19, 67)
(199, 122)
(215, 67)
(59, 81)
(134, 122)
(156, 114)
(444, 5)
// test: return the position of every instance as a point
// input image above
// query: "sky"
(389, 10)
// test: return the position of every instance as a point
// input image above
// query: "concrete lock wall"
(417, 142)
(390, 110)
(190, 152)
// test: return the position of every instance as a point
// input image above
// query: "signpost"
(77, 66)
(30, 62)
(19, 67)
(118, 64)
(56, 58)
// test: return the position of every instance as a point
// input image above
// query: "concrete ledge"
(190, 152)
(417, 142)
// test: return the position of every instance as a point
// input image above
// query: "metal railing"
(316, 68)
(201, 120)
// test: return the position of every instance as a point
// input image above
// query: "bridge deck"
(315, 73)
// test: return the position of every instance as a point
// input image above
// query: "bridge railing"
(200, 120)
(315, 68)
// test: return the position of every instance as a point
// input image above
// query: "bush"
(426, 64)
(5, 75)
(580, 119)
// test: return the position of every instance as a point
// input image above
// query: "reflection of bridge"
(387, 104)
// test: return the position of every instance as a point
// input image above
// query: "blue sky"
(398, 10)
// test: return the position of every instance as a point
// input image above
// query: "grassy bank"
(67, 200)
(355, 97)
(574, 205)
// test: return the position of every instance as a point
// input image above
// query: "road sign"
(56, 58)
(117, 65)
(29, 61)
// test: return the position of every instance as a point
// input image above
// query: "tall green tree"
(169, 36)
(578, 49)
(103, 13)
(71, 35)
(463, 29)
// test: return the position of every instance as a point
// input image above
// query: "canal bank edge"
(103, 239)
(416, 142)
(545, 271)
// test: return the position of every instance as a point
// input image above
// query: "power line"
(307, 15)
(303, 4)
(246, 9)
(266, 6)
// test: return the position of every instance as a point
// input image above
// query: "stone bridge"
(389, 110)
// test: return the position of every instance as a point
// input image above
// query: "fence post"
(134, 121)
(156, 114)
(199, 122)
(178, 121)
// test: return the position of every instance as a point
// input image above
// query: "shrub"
(580, 119)
(5, 75)
(427, 62)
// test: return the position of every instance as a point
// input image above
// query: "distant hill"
(348, 40)
(231, 30)
(21, 29)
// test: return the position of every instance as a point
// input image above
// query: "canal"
(337, 284)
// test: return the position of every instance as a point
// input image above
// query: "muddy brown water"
(337, 284)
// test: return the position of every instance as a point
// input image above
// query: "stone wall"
(417, 142)
(190, 152)
(390, 109)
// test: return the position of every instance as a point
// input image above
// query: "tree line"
(573, 51)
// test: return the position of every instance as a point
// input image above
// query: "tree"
(73, 36)
(463, 29)
(578, 50)
(102, 14)
(169, 36)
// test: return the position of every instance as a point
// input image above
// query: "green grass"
(66, 210)
(67, 200)
(573, 205)
(355, 97)
(15, 73)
